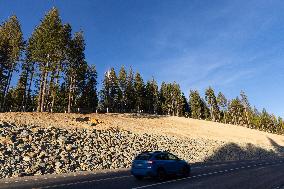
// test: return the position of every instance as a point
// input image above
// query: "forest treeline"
(55, 77)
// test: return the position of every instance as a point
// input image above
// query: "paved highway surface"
(239, 174)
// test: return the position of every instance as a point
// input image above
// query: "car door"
(174, 163)
(162, 161)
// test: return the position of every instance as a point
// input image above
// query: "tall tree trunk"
(23, 108)
(40, 92)
(50, 91)
(211, 113)
(43, 92)
(54, 90)
(70, 95)
(29, 88)
(7, 87)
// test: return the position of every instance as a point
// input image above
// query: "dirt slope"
(161, 125)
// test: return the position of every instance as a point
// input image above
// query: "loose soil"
(161, 125)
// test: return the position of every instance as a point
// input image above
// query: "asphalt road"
(239, 174)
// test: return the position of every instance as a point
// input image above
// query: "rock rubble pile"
(34, 150)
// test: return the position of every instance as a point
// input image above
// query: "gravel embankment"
(32, 150)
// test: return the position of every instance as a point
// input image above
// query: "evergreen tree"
(4, 65)
(129, 92)
(89, 100)
(223, 103)
(122, 80)
(171, 99)
(20, 92)
(236, 112)
(61, 99)
(247, 109)
(11, 46)
(186, 112)
(139, 90)
(213, 105)
(75, 68)
(196, 105)
(151, 97)
(47, 47)
(110, 93)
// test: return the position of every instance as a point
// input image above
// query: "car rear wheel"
(185, 171)
(138, 177)
(161, 174)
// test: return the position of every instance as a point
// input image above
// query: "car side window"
(172, 157)
(161, 157)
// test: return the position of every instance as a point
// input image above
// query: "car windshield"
(144, 156)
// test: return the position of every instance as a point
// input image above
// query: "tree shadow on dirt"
(234, 152)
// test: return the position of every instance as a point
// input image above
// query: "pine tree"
(75, 68)
(280, 126)
(236, 111)
(4, 65)
(89, 100)
(177, 101)
(151, 97)
(213, 105)
(11, 46)
(186, 112)
(247, 109)
(110, 93)
(61, 99)
(122, 80)
(47, 47)
(223, 103)
(205, 111)
(139, 90)
(196, 105)
(171, 99)
(129, 92)
(20, 92)
(255, 119)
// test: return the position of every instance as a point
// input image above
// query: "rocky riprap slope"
(32, 150)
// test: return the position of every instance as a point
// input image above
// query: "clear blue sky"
(230, 45)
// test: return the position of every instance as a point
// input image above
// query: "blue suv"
(159, 165)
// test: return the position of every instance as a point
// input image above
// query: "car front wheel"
(161, 174)
(185, 171)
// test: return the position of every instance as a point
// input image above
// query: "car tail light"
(150, 164)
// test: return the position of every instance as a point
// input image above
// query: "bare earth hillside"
(45, 143)
(160, 125)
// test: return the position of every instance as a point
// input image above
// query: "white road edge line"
(150, 185)
(146, 186)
